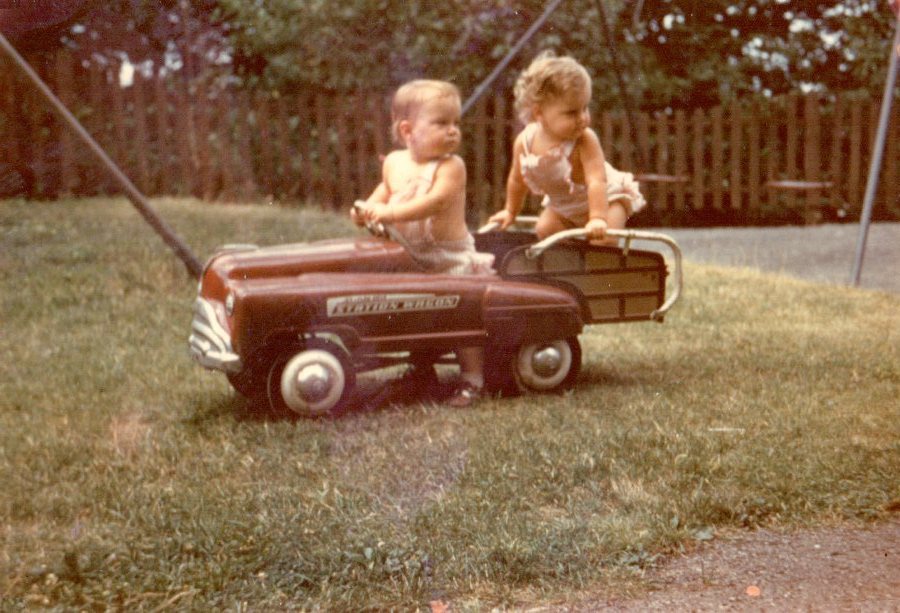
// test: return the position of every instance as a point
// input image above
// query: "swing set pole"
(139, 201)
(486, 83)
(877, 152)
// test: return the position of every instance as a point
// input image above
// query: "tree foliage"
(703, 52)
(671, 52)
(674, 53)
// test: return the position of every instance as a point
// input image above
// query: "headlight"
(229, 304)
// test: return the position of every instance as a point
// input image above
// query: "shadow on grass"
(370, 396)
(209, 410)
(597, 376)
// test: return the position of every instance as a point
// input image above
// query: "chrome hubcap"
(314, 382)
(546, 361)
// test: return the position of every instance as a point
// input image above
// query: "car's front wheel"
(313, 380)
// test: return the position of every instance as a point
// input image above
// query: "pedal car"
(293, 325)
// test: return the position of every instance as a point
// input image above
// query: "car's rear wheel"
(313, 380)
(547, 366)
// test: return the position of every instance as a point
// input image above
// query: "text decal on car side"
(370, 304)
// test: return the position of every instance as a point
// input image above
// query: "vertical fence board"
(303, 187)
(753, 172)
(326, 169)
(247, 186)
(98, 122)
(643, 138)
(345, 185)
(812, 159)
(141, 143)
(221, 132)
(383, 129)
(184, 135)
(201, 145)
(854, 197)
(661, 200)
(681, 156)
(266, 176)
(891, 178)
(772, 161)
(626, 142)
(64, 86)
(793, 137)
(477, 172)
(606, 137)
(163, 173)
(295, 180)
(121, 148)
(735, 154)
(838, 160)
(717, 146)
(499, 153)
(698, 125)
(363, 131)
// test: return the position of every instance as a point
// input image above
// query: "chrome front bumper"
(210, 342)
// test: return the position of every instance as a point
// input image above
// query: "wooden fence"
(797, 155)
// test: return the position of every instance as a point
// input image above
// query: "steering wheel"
(375, 228)
(386, 230)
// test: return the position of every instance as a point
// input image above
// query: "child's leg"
(616, 218)
(550, 222)
(471, 365)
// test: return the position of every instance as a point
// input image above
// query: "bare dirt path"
(831, 569)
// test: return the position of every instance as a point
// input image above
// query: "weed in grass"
(135, 480)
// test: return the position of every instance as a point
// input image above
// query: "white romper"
(550, 175)
(457, 257)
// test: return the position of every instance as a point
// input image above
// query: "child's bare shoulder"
(452, 164)
(589, 137)
(395, 157)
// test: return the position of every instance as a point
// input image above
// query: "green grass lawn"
(132, 478)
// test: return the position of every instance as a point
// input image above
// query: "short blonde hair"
(412, 95)
(546, 78)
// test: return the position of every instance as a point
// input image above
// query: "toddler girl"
(558, 155)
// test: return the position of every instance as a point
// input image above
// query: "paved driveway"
(822, 253)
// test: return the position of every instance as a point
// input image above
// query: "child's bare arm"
(516, 190)
(594, 164)
(359, 213)
(449, 184)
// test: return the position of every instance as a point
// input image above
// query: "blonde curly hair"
(547, 77)
(410, 96)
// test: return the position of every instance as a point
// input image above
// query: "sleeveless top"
(550, 175)
(454, 257)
